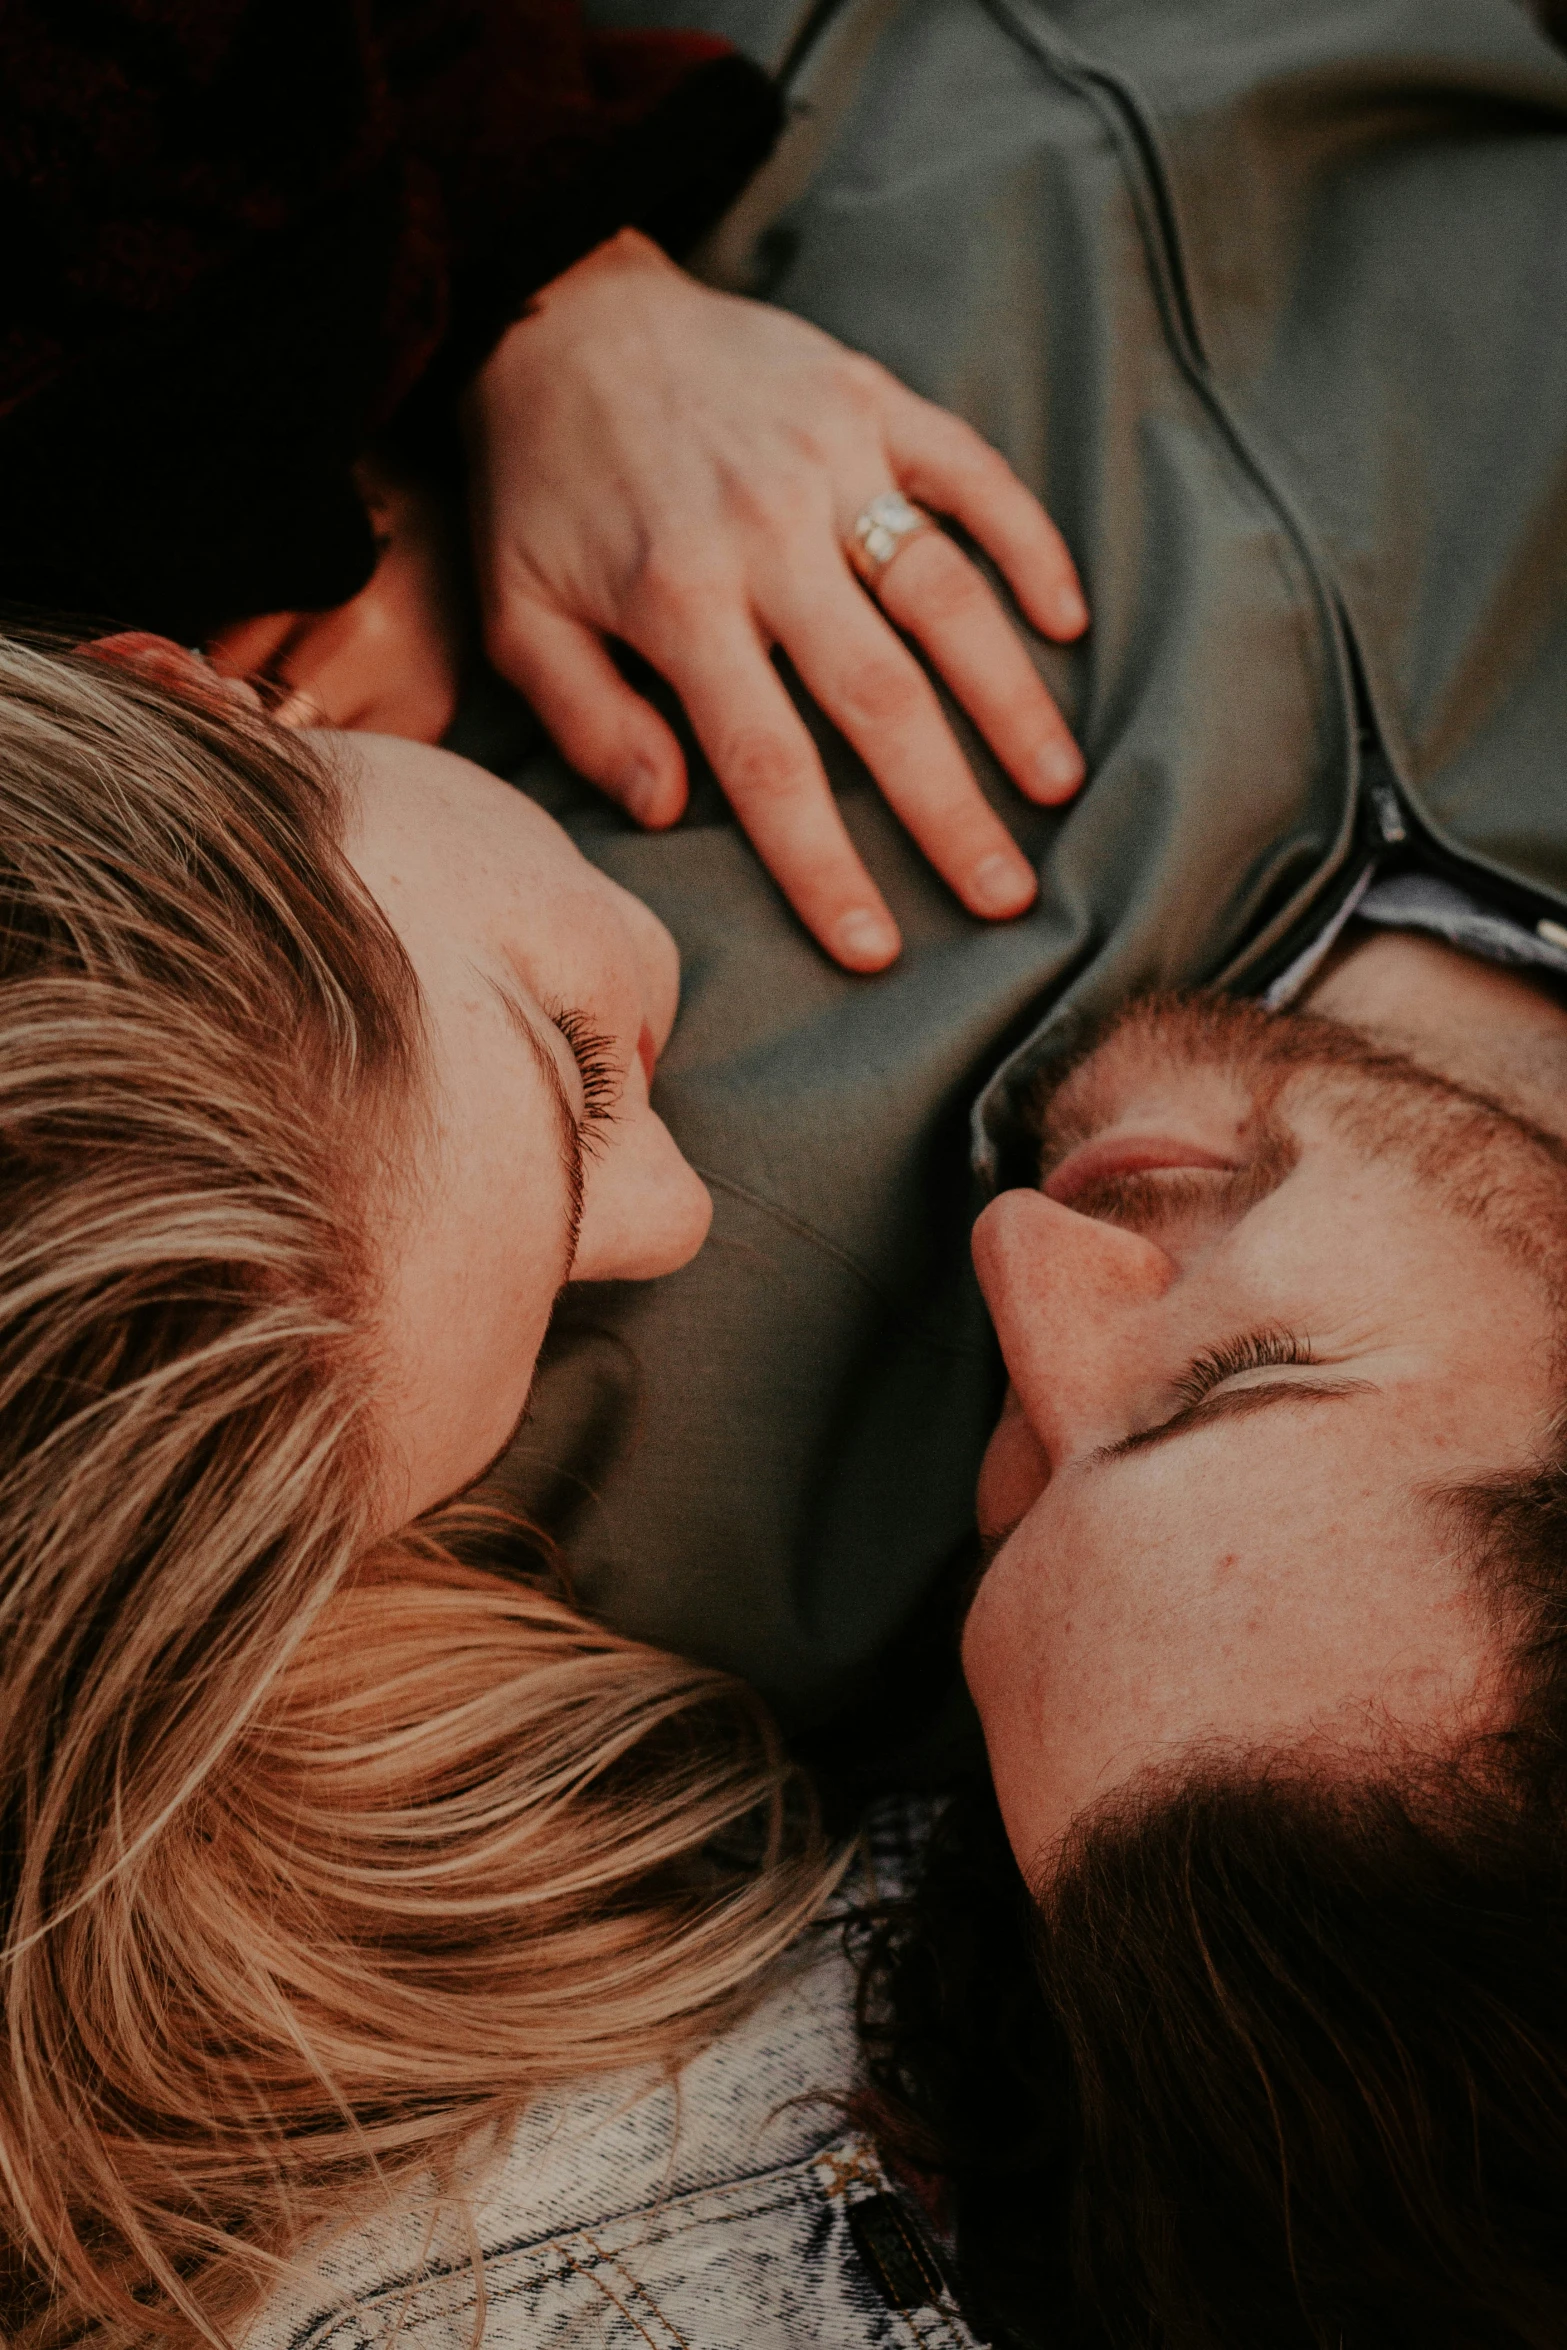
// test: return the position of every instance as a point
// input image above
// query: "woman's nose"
(1070, 1297)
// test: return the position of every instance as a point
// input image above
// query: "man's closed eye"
(1208, 1391)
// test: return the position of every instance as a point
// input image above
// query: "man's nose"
(1069, 1296)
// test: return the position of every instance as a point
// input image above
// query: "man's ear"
(179, 666)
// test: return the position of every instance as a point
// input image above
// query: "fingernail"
(866, 938)
(1071, 611)
(1000, 884)
(1059, 766)
(640, 789)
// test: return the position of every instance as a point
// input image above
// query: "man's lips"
(1110, 1155)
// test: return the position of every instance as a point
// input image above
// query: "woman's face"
(548, 994)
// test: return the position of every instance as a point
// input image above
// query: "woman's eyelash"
(594, 1055)
(1259, 1350)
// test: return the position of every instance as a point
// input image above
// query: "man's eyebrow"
(567, 1130)
(1233, 1403)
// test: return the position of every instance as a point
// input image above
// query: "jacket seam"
(552, 2260)
(1134, 134)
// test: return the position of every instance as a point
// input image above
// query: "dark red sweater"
(241, 238)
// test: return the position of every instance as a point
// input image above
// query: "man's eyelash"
(1259, 1350)
(593, 1053)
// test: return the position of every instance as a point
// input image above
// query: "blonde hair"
(321, 1855)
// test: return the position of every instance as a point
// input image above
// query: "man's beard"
(1485, 1160)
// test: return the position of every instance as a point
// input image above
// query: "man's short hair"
(1278, 2055)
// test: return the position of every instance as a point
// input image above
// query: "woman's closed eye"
(603, 1079)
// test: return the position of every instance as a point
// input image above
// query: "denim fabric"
(731, 2208)
(1417, 900)
(1465, 918)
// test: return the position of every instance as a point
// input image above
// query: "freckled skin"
(1280, 1577)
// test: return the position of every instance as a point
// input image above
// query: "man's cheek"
(1012, 1476)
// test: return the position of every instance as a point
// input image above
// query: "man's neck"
(1479, 1023)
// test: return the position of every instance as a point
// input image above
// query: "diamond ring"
(880, 530)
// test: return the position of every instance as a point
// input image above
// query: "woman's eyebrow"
(1233, 1403)
(567, 1130)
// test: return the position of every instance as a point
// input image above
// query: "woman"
(326, 1851)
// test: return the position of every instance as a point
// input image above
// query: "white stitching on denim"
(591, 2277)
(638, 2288)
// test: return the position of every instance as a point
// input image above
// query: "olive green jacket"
(1268, 300)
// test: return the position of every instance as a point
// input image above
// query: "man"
(1278, 1288)
(1269, 304)
(1270, 1657)
(1232, 2013)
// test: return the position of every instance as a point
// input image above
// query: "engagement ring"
(880, 530)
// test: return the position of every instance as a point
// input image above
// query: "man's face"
(1274, 1293)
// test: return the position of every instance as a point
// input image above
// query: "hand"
(388, 661)
(679, 469)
